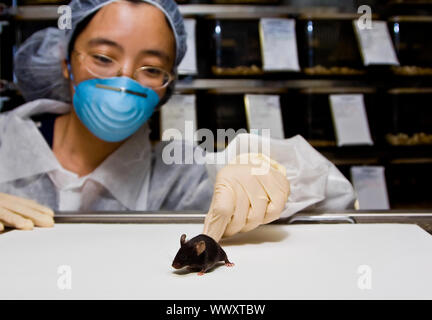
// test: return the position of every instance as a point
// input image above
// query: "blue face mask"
(113, 108)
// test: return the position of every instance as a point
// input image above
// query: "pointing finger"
(220, 212)
(241, 211)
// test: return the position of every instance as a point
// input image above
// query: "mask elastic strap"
(70, 74)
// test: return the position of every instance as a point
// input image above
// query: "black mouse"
(200, 253)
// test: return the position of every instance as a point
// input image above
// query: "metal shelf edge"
(48, 12)
(248, 84)
(353, 216)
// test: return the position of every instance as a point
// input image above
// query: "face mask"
(113, 108)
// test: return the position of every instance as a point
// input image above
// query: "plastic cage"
(37, 2)
(408, 185)
(411, 38)
(408, 7)
(327, 45)
(6, 49)
(307, 112)
(229, 47)
(221, 111)
(268, 2)
(409, 117)
(10, 100)
(25, 28)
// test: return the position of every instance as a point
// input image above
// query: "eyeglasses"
(102, 66)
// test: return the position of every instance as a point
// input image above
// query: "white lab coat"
(134, 177)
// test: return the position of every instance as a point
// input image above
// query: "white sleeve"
(315, 182)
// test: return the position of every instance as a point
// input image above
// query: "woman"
(116, 65)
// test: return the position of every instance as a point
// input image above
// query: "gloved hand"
(23, 213)
(246, 196)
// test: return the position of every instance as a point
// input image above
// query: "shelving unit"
(48, 12)
(378, 80)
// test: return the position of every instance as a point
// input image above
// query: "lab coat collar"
(123, 173)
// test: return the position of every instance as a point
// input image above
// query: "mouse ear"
(182, 239)
(200, 247)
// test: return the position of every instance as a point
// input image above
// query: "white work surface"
(133, 261)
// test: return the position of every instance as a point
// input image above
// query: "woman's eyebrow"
(156, 53)
(104, 41)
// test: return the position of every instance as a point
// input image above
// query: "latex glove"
(23, 213)
(246, 196)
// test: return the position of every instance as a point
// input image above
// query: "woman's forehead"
(123, 17)
(139, 26)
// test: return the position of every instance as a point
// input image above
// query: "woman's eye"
(102, 59)
(153, 72)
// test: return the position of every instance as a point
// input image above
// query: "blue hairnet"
(38, 62)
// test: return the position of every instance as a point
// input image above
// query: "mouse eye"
(183, 257)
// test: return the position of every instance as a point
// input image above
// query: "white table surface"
(133, 261)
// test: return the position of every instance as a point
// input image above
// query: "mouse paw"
(201, 273)
(229, 264)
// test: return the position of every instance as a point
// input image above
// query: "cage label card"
(279, 44)
(376, 46)
(264, 112)
(370, 185)
(189, 62)
(179, 113)
(350, 119)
